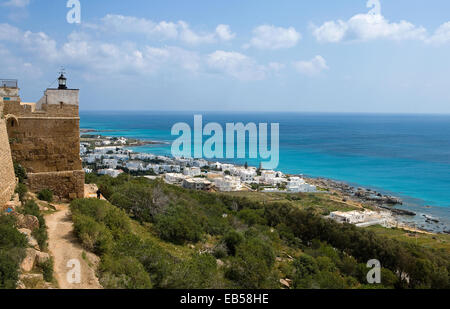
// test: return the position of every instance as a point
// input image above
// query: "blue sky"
(290, 55)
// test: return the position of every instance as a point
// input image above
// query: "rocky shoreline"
(362, 195)
(381, 202)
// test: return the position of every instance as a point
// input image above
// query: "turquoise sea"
(404, 155)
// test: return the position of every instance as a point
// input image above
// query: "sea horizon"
(112, 111)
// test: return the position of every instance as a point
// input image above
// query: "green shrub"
(252, 267)
(220, 251)
(21, 190)
(20, 172)
(252, 216)
(103, 212)
(178, 226)
(45, 195)
(8, 271)
(94, 236)
(12, 252)
(232, 239)
(198, 272)
(47, 270)
(123, 273)
(40, 234)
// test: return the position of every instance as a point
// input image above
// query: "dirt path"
(64, 247)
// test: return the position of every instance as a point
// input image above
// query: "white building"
(111, 172)
(83, 149)
(197, 184)
(192, 171)
(111, 163)
(200, 163)
(351, 217)
(228, 183)
(247, 175)
(92, 158)
(105, 150)
(276, 181)
(267, 175)
(364, 218)
(297, 184)
(142, 156)
(119, 157)
(174, 178)
(134, 166)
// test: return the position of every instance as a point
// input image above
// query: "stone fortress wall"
(7, 177)
(45, 139)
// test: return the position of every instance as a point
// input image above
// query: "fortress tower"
(45, 138)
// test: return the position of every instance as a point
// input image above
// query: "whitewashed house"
(228, 183)
(134, 166)
(174, 178)
(247, 176)
(111, 163)
(111, 172)
(192, 171)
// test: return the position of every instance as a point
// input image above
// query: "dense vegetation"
(45, 195)
(12, 252)
(162, 236)
(31, 208)
(13, 243)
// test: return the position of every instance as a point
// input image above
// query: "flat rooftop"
(8, 83)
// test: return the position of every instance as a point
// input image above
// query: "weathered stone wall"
(45, 139)
(7, 177)
(67, 184)
(46, 144)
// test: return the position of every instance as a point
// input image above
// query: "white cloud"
(38, 43)
(370, 26)
(130, 24)
(126, 58)
(224, 33)
(16, 3)
(365, 27)
(99, 55)
(312, 67)
(441, 35)
(187, 35)
(163, 30)
(271, 37)
(236, 65)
